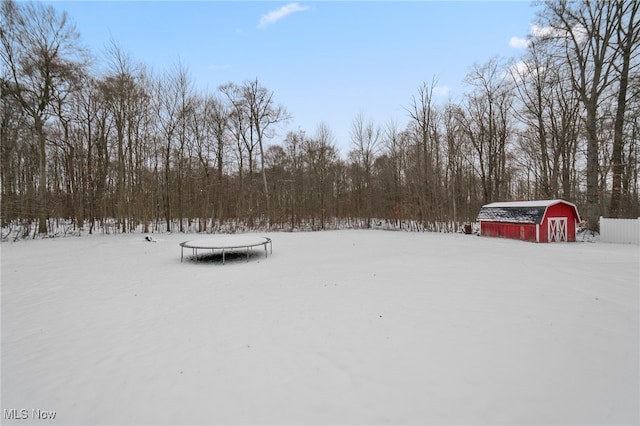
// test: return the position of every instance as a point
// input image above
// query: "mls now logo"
(23, 414)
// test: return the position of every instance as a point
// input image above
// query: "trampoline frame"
(196, 245)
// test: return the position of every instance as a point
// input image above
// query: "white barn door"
(557, 228)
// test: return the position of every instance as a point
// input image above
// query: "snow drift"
(340, 327)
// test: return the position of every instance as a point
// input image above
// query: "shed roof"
(535, 203)
(518, 211)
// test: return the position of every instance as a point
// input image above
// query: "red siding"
(518, 231)
(559, 210)
(527, 231)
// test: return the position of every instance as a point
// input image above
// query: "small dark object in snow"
(150, 239)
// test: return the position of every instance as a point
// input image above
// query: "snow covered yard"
(341, 327)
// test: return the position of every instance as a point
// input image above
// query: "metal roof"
(518, 211)
(535, 203)
(512, 214)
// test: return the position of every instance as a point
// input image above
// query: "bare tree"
(627, 37)
(421, 111)
(320, 153)
(394, 186)
(126, 100)
(486, 122)
(264, 114)
(533, 85)
(295, 183)
(41, 52)
(14, 138)
(239, 126)
(172, 101)
(366, 140)
(584, 33)
(455, 159)
(209, 127)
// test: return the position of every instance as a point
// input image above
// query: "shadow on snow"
(230, 257)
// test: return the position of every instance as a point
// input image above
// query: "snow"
(511, 214)
(519, 211)
(340, 327)
(535, 203)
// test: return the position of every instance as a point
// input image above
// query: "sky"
(325, 61)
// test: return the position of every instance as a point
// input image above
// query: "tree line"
(124, 146)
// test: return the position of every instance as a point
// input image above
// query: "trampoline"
(226, 244)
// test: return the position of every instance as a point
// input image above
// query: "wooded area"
(128, 147)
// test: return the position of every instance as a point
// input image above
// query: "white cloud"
(276, 15)
(441, 90)
(544, 32)
(518, 42)
(521, 67)
(523, 71)
(519, 71)
(577, 32)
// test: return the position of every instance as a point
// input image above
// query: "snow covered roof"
(536, 203)
(518, 211)
(512, 214)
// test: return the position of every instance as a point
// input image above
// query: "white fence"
(623, 231)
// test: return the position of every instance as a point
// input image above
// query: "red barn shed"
(542, 221)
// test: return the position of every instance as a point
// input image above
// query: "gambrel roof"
(519, 211)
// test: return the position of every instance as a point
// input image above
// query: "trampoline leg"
(181, 253)
(223, 256)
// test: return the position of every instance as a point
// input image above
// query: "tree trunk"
(42, 186)
(626, 50)
(264, 181)
(618, 143)
(593, 208)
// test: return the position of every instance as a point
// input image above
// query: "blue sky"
(325, 61)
